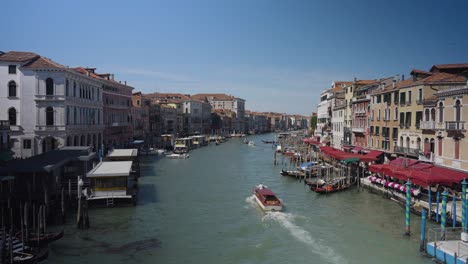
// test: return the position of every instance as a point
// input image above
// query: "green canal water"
(200, 210)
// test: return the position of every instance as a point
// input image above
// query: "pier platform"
(446, 246)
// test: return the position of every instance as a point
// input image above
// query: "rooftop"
(111, 169)
(120, 153)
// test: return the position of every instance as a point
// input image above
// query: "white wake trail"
(287, 221)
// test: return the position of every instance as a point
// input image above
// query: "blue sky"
(278, 55)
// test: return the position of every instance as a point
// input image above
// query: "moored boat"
(267, 199)
(251, 143)
(178, 156)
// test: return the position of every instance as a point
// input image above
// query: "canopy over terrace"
(345, 156)
(311, 141)
(419, 173)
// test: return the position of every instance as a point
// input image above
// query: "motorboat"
(267, 199)
(178, 156)
(251, 143)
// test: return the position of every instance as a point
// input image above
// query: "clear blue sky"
(278, 55)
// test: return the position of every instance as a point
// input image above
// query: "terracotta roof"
(416, 71)
(437, 77)
(85, 72)
(364, 82)
(449, 66)
(218, 97)
(42, 62)
(18, 56)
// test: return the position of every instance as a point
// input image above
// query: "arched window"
(49, 116)
(441, 112)
(74, 89)
(457, 111)
(12, 89)
(49, 86)
(432, 114)
(418, 144)
(407, 142)
(426, 115)
(12, 116)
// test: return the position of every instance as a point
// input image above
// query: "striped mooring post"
(454, 211)
(437, 206)
(429, 201)
(423, 231)
(443, 218)
(464, 204)
(408, 204)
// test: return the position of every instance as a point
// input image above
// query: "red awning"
(374, 153)
(311, 141)
(356, 149)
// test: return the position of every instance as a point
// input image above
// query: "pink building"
(117, 105)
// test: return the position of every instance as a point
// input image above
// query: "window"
(74, 89)
(49, 116)
(409, 97)
(432, 114)
(67, 87)
(439, 142)
(396, 113)
(426, 115)
(457, 149)
(441, 112)
(457, 111)
(11, 69)
(402, 118)
(12, 116)
(27, 144)
(377, 130)
(49, 86)
(408, 119)
(420, 95)
(12, 89)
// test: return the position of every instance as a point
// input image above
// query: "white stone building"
(338, 121)
(48, 105)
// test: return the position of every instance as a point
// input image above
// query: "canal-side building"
(227, 102)
(324, 114)
(140, 116)
(414, 99)
(48, 105)
(117, 105)
(337, 120)
(451, 127)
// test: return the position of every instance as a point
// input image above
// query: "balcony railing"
(50, 97)
(455, 126)
(4, 125)
(430, 125)
(439, 125)
(50, 128)
(359, 129)
(409, 151)
(426, 157)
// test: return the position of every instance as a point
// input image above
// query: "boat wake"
(286, 220)
(250, 201)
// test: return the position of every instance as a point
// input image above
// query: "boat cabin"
(167, 141)
(198, 141)
(182, 145)
(112, 181)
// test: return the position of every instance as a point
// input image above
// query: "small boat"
(268, 141)
(278, 149)
(291, 173)
(178, 156)
(267, 199)
(328, 188)
(42, 239)
(217, 142)
(251, 143)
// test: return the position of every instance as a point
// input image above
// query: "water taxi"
(267, 199)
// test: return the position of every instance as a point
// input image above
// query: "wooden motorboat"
(267, 199)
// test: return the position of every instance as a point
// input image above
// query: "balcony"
(455, 126)
(426, 157)
(428, 125)
(359, 129)
(439, 125)
(41, 97)
(409, 151)
(50, 128)
(4, 125)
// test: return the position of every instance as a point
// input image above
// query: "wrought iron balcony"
(409, 151)
(429, 125)
(4, 125)
(455, 126)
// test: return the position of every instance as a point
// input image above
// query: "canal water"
(201, 210)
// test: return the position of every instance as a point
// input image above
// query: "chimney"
(125, 82)
(355, 79)
(402, 77)
(87, 73)
(112, 76)
(394, 82)
(90, 70)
